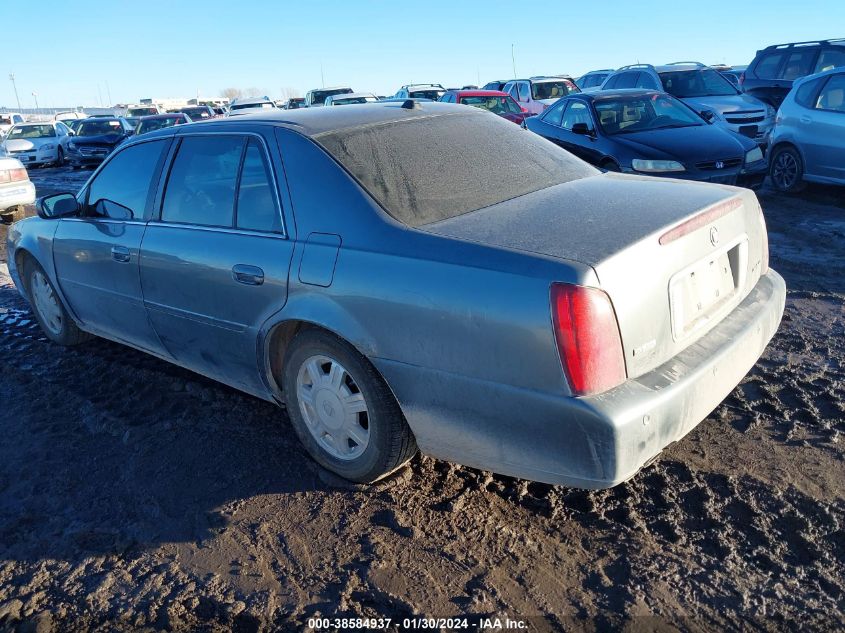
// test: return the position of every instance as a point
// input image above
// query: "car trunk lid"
(675, 257)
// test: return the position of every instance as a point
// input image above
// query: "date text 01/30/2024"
(411, 624)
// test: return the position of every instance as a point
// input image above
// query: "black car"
(650, 132)
(95, 139)
(769, 77)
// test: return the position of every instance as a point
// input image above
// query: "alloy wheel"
(785, 170)
(46, 303)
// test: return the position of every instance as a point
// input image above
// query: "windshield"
(432, 93)
(32, 131)
(319, 96)
(552, 89)
(5, 120)
(197, 113)
(430, 168)
(142, 111)
(99, 127)
(635, 114)
(246, 106)
(496, 105)
(700, 83)
(347, 101)
(157, 124)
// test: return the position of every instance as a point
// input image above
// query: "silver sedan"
(407, 275)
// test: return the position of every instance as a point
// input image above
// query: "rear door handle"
(120, 254)
(249, 275)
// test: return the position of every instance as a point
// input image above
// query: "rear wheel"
(342, 410)
(47, 306)
(787, 170)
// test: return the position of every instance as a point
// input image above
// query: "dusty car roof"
(315, 121)
(615, 94)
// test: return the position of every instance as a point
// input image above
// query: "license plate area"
(701, 293)
(748, 130)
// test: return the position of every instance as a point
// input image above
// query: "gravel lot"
(134, 495)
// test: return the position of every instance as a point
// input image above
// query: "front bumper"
(592, 442)
(78, 160)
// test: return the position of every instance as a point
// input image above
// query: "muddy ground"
(135, 495)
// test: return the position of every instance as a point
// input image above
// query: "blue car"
(650, 132)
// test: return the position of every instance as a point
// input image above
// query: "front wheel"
(47, 306)
(787, 170)
(342, 410)
(60, 157)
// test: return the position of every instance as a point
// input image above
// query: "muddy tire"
(342, 410)
(786, 170)
(50, 312)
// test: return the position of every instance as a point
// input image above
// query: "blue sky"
(80, 53)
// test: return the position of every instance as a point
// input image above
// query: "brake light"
(19, 174)
(588, 339)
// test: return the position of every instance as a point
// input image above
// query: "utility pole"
(108, 92)
(35, 94)
(513, 61)
(322, 77)
(99, 96)
(15, 86)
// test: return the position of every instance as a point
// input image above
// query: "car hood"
(23, 144)
(586, 220)
(727, 103)
(108, 139)
(686, 144)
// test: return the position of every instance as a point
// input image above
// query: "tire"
(786, 170)
(609, 165)
(55, 322)
(60, 157)
(326, 423)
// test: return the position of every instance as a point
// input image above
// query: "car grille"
(743, 117)
(725, 163)
(93, 151)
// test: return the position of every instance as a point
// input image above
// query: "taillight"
(18, 174)
(588, 339)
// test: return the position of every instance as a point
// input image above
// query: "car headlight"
(753, 156)
(770, 111)
(47, 148)
(71, 147)
(656, 165)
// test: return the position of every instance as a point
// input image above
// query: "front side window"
(202, 183)
(767, 67)
(554, 115)
(635, 114)
(256, 208)
(832, 96)
(121, 189)
(830, 58)
(577, 112)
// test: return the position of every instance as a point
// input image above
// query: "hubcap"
(785, 171)
(46, 303)
(333, 407)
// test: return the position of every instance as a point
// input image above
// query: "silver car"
(704, 89)
(422, 275)
(808, 141)
(43, 143)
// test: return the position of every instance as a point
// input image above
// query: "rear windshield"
(427, 169)
(686, 84)
(320, 95)
(149, 125)
(433, 93)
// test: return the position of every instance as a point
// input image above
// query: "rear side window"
(430, 168)
(256, 209)
(611, 83)
(121, 188)
(798, 64)
(832, 96)
(202, 182)
(767, 67)
(627, 80)
(830, 58)
(805, 95)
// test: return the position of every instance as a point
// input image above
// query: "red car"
(495, 101)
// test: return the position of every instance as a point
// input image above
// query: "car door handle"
(806, 119)
(120, 254)
(249, 275)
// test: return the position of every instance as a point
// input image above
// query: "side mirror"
(59, 205)
(582, 128)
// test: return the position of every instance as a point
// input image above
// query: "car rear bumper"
(591, 442)
(16, 193)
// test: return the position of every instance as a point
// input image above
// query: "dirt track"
(134, 495)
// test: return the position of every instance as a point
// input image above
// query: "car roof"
(351, 95)
(330, 88)
(479, 93)
(615, 93)
(316, 121)
(251, 100)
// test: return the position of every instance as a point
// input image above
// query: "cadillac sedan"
(399, 281)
